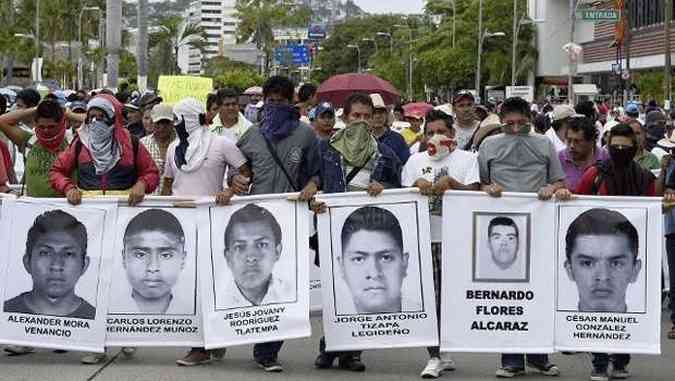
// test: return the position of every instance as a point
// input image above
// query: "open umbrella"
(338, 88)
(419, 108)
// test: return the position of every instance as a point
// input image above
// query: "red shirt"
(588, 179)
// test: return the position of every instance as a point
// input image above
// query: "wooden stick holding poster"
(255, 277)
(376, 271)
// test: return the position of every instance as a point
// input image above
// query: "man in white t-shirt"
(441, 167)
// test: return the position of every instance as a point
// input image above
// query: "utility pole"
(570, 75)
(113, 39)
(515, 42)
(667, 70)
(480, 46)
(142, 46)
(628, 38)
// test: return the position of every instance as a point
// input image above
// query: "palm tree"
(174, 34)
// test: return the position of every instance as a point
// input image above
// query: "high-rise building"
(217, 18)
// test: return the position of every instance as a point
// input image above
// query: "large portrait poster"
(154, 295)
(55, 274)
(608, 272)
(496, 279)
(377, 282)
(254, 273)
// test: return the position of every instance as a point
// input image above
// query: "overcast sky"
(391, 6)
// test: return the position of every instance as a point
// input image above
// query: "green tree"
(228, 73)
(258, 18)
(174, 34)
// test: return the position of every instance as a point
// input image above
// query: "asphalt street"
(297, 357)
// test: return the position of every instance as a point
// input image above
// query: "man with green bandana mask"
(353, 160)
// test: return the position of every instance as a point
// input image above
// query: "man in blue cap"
(323, 120)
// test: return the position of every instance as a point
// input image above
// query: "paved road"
(297, 356)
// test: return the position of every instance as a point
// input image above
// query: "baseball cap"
(563, 111)
(161, 112)
(78, 106)
(461, 95)
(378, 102)
(323, 108)
(632, 108)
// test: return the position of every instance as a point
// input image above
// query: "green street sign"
(598, 15)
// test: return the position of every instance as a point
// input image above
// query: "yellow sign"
(174, 88)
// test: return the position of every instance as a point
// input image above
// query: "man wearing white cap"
(157, 144)
(379, 128)
(559, 123)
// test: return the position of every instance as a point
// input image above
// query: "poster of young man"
(376, 271)
(55, 274)
(496, 279)
(255, 275)
(609, 275)
(154, 294)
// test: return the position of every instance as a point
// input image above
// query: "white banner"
(608, 272)
(55, 274)
(376, 271)
(496, 282)
(255, 274)
(154, 298)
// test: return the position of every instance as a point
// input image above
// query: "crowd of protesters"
(285, 140)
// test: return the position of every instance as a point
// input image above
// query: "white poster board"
(154, 298)
(496, 281)
(525, 92)
(254, 275)
(55, 274)
(376, 271)
(608, 272)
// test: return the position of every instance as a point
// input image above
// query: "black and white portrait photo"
(55, 257)
(602, 261)
(157, 272)
(501, 247)
(375, 265)
(260, 264)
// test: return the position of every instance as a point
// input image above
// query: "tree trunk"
(113, 39)
(9, 60)
(142, 45)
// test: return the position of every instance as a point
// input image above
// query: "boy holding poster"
(518, 161)
(441, 167)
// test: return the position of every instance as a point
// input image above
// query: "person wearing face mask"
(353, 160)
(518, 161)
(441, 167)
(620, 175)
(106, 158)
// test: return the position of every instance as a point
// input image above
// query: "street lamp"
(371, 40)
(391, 40)
(79, 58)
(410, 60)
(485, 35)
(358, 55)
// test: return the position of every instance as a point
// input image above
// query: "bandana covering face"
(355, 143)
(53, 139)
(440, 146)
(193, 136)
(279, 121)
(99, 135)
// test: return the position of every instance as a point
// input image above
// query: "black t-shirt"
(18, 305)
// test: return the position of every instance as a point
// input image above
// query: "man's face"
(464, 109)
(163, 129)
(503, 245)
(359, 113)
(325, 122)
(276, 99)
(379, 120)
(639, 133)
(374, 274)
(229, 110)
(514, 121)
(211, 113)
(602, 266)
(20, 104)
(49, 126)
(56, 263)
(134, 116)
(252, 254)
(147, 123)
(439, 127)
(415, 123)
(579, 147)
(154, 261)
